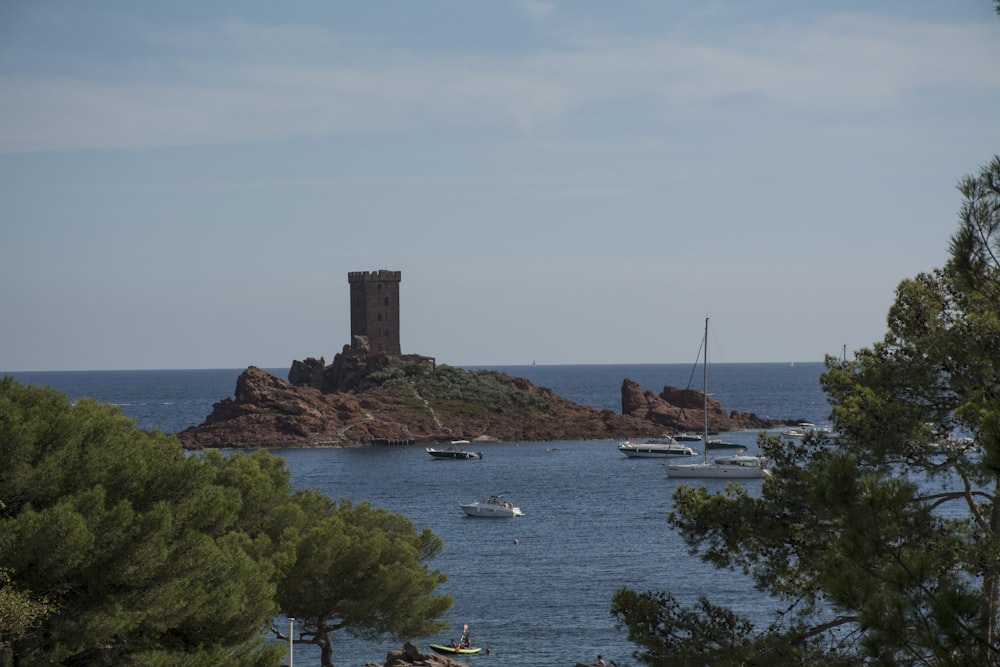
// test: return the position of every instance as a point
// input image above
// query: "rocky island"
(370, 397)
(372, 393)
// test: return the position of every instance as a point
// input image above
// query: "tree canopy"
(882, 547)
(340, 550)
(118, 548)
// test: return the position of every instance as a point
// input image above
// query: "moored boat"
(453, 453)
(722, 444)
(494, 507)
(806, 429)
(656, 448)
(739, 466)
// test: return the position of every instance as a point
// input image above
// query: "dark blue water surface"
(536, 589)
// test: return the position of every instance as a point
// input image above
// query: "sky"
(188, 184)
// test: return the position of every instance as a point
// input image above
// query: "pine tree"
(883, 547)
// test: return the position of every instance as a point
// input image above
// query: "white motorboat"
(803, 430)
(688, 437)
(655, 448)
(739, 466)
(494, 507)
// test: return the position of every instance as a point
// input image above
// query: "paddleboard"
(452, 651)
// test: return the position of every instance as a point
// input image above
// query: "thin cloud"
(250, 82)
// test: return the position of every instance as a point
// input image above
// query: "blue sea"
(536, 590)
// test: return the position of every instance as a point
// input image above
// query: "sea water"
(536, 590)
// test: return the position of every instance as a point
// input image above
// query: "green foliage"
(452, 386)
(20, 613)
(883, 549)
(361, 569)
(127, 536)
(669, 634)
(122, 549)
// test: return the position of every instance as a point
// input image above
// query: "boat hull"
(727, 467)
(659, 448)
(491, 510)
(713, 470)
(655, 452)
(722, 444)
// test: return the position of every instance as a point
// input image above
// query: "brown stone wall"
(375, 308)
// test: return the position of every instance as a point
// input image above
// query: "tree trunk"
(991, 587)
(322, 639)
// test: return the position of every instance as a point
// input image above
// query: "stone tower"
(375, 308)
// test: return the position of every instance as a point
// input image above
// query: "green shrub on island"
(452, 384)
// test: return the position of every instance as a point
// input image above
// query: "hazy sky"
(186, 184)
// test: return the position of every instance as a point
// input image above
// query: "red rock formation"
(269, 412)
(342, 405)
(411, 656)
(684, 410)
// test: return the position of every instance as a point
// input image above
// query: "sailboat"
(738, 466)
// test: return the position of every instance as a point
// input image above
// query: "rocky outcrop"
(350, 368)
(678, 410)
(411, 656)
(266, 411)
(308, 373)
(364, 398)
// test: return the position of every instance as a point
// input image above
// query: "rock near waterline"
(364, 399)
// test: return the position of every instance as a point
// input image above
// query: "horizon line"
(476, 366)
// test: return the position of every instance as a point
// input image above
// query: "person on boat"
(466, 641)
(454, 644)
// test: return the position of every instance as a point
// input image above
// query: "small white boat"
(494, 507)
(740, 466)
(453, 453)
(953, 445)
(656, 448)
(801, 431)
(688, 437)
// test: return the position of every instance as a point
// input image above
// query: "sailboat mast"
(704, 367)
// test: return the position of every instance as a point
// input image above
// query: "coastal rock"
(308, 373)
(679, 410)
(350, 366)
(266, 411)
(365, 398)
(411, 656)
